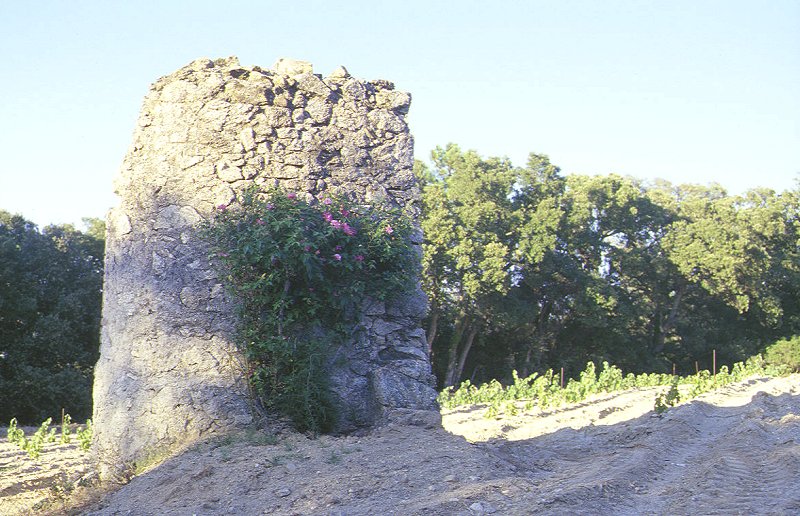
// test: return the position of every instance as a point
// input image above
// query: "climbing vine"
(300, 273)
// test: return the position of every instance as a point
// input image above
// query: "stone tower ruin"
(169, 371)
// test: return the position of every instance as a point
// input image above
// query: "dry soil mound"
(733, 451)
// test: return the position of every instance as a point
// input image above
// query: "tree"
(467, 249)
(529, 270)
(50, 291)
(602, 237)
(741, 253)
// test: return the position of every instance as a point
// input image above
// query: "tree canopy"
(525, 268)
(50, 292)
(529, 269)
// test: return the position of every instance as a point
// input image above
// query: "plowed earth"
(732, 451)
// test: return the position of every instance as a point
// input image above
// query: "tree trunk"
(452, 352)
(462, 360)
(672, 318)
(537, 344)
(657, 342)
(433, 327)
(526, 366)
(510, 365)
(663, 325)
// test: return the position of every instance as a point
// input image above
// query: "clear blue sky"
(687, 90)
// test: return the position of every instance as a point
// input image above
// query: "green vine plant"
(45, 435)
(66, 434)
(544, 390)
(14, 434)
(668, 399)
(299, 273)
(84, 436)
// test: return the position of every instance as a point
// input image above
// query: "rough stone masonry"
(169, 369)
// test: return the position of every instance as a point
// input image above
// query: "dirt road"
(733, 451)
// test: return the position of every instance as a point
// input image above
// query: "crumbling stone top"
(287, 124)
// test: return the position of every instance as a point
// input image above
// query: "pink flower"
(307, 248)
(222, 207)
(359, 258)
(270, 206)
(336, 224)
(345, 213)
(260, 222)
(337, 257)
(388, 229)
(338, 248)
(327, 216)
(291, 195)
(327, 201)
(348, 230)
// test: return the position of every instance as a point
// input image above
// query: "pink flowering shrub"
(299, 270)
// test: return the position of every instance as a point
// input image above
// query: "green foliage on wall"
(300, 274)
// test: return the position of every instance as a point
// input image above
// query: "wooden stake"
(673, 369)
(714, 364)
(696, 367)
(562, 377)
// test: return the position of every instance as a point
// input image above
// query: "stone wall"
(169, 371)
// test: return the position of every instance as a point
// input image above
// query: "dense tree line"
(50, 298)
(526, 269)
(529, 269)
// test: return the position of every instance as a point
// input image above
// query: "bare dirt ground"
(25, 482)
(732, 451)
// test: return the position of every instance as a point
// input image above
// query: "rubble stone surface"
(170, 371)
